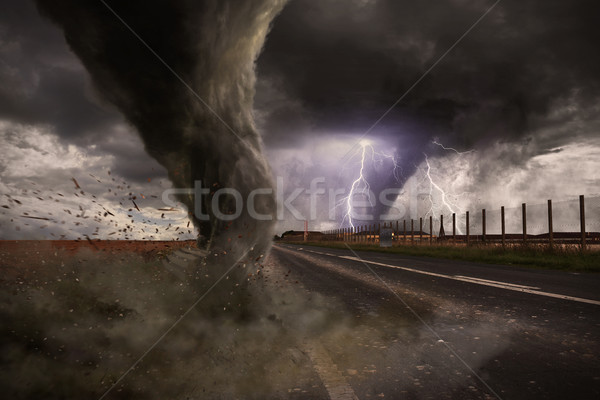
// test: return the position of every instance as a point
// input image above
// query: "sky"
(94, 128)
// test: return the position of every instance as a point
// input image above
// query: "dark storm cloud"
(211, 46)
(339, 66)
(345, 63)
(42, 82)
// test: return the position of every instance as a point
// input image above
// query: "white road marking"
(477, 280)
(484, 282)
(349, 258)
(336, 385)
(490, 283)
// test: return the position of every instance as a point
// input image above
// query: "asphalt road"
(387, 326)
(302, 323)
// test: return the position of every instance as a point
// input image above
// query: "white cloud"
(35, 151)
(41, 200)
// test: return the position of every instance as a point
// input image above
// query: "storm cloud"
(345, 66)
(524, 74)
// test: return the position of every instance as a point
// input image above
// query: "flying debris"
(32, 217)
(82, 210)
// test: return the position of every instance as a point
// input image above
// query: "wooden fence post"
(582, 220)
(420, 230)
(524, 212)
(454, 227)
(550, 229)
(373, 234)
(483, 225)
(503, 226)
(412, 231)
(430, 229)
(468, 228)
(404, 238)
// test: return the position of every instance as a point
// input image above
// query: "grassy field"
(534, 256)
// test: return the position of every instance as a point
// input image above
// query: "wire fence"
(574, 221)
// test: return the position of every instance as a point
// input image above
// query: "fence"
(560, 223)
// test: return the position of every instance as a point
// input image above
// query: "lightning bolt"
(359, 185)
(366, 154)
(447, 204)
(380, 157)
(451, 148)
(450, 206)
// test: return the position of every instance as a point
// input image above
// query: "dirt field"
(17, 257)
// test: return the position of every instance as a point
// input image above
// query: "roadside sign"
(385, 237)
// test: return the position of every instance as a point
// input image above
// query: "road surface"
(304, 323)
(408, 327)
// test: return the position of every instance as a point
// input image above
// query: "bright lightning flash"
(451, 148)
(360, 186)
(450, 206)
(445, 197)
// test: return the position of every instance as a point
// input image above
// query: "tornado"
(183, 75)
